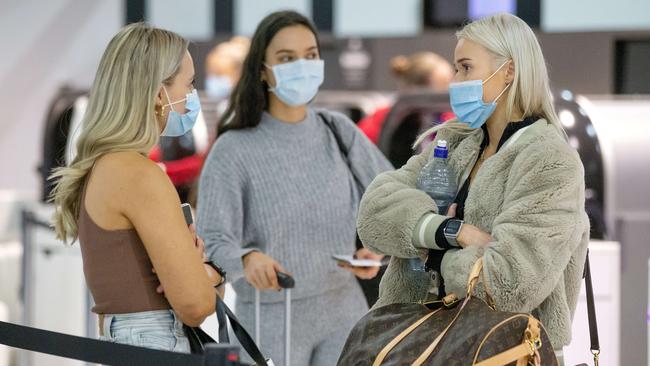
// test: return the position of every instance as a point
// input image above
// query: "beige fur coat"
(529, 196)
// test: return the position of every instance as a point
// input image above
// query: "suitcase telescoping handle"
(287, 283)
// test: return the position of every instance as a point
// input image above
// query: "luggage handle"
(287, 283)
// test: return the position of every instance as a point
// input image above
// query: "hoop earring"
(161, 113)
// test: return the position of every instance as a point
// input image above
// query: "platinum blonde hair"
(121, 111)
(507, 37)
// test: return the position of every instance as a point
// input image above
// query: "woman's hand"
(469, 234)
(364, 273)
(261, 271)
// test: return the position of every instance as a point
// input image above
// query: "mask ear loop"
(500, 94)
(494, 73)
(170, 104)
(277, 80)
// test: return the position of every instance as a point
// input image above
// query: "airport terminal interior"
(390, 71)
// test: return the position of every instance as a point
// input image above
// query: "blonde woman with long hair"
(520, 206)
(142, 264)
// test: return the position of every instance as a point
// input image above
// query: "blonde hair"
(417, 68)
(507, 37)
(121, 111)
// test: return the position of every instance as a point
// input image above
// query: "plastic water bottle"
(438, 181)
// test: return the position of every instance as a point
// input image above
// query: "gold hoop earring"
(161, 113)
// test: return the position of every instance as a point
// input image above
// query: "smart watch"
(451, 230)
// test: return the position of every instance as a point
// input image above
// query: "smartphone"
(187, 212)
(351, 261)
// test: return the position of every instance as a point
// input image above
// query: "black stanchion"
(87, 349)
(107, 353)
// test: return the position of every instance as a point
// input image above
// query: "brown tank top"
(117, 268)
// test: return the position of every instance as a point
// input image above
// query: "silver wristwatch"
(451, 230)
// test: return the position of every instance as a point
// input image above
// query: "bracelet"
(219, 270)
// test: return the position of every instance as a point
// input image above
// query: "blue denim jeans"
(160, 329)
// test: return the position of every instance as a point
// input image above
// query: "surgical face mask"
(297, 82)
(466, 99)
(218, 87)
(180, 124)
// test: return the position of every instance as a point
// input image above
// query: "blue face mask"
(180, 124)
(466, 99)
(297, 82)
(218, 87)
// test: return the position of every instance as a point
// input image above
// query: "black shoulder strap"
(223, 325)
(242, 335)
(591, 311)
(329, 122)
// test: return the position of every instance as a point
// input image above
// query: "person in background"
(521, 204)
(277, 195)
(421, 70)
(144, 268)
(223, 69)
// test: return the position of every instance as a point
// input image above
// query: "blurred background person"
(421, 70)
(223, 68)
(417, 72)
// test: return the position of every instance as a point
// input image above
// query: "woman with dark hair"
(277, 192)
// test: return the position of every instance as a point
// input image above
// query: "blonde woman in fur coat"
(521, 199)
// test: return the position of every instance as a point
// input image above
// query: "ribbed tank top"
(117, 268)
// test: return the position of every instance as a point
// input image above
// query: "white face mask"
(297, 82)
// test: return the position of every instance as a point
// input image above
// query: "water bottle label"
(440, 153)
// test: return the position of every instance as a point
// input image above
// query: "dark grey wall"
(581, 62)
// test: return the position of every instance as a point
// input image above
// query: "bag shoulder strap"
(242, 335)
(329, 122)
(591, 311)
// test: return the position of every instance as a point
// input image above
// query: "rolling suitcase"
(287, 283)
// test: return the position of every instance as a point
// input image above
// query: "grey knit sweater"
(285, 190)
